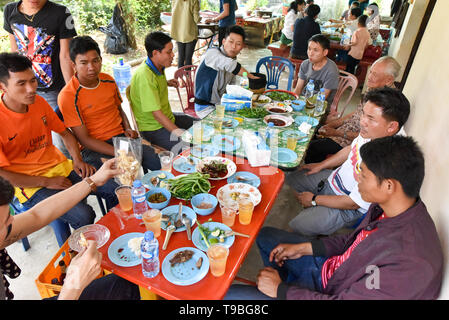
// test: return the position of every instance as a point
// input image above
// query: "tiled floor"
(43, 242)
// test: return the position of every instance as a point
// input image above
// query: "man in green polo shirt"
(149, 96)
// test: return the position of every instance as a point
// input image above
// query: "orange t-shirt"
(26, 145)
(96, 108)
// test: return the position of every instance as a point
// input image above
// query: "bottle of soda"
(139, 200)
(150, 255)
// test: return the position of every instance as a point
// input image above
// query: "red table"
(210, 287)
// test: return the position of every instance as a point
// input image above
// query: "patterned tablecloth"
(255, 126)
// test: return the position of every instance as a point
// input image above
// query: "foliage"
(147, 13)
(255, 4)
(212, 5)
(90, 14)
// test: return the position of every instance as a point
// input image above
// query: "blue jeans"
(52, 99)
(304, 272)
(164, 139)
(80, 215)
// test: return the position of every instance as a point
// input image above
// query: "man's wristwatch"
(92, 185)
(313, 200)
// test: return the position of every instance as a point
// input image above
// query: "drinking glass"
(292, 139)
(197, 133)
(218, 256)
(228, 212)
(152, 220)
(123, 194)
(166, 158)
(220, 110)
(246, 208)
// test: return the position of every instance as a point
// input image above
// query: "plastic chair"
(274, 66)
(60, 228)
(346, 80)
(187, 76)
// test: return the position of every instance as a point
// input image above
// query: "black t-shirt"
(39, 39)
(303, 30)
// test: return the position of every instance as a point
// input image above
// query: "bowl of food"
(278, 108)
(278, 121)
(217, 168)
(298, 105)
(158, 198)
(204, 203)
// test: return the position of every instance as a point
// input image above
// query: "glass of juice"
(166, 158)
(218, 255)
(220, 110)
(228, 212)
(246, 208)
(152, 220)
(123, 194)
(197, 133)
(292, 139)
(218, 123)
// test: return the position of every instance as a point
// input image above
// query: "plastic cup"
(218, 123)
(228, 213)
(166, 158)
(218, 256)
(123, 194)
(291, 141)
(246, 208)
(220, 110)
(152, 220)
(197, 133)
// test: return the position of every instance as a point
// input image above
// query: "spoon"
(178, 222)
(187, 223)
(170, 230)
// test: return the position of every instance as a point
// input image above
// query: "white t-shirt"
(289, 22)
(343, 180)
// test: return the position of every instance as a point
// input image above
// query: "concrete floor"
(44, 246)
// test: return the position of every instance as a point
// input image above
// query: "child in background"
(359, 41)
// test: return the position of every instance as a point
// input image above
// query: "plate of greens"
(252, 113)
(281, 95)
(185, 186)
(214, 232)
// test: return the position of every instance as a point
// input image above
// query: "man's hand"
(268, 281)
(311, 168)
(106, 172)
(173, 83)
(305, 198)
(327, 131)
(83, 169)
(130, 133)
(285, 251)
(83, 269)
(58, 183)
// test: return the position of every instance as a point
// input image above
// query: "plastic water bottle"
(271, 135)
(122, 74)
(310, 88)
(319, 106)
(150, 255)
(244, 82)
(139, 200)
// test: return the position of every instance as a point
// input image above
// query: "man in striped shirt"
(330, 198)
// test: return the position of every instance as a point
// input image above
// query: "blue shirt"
(230, 19)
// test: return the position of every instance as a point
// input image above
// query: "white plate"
(232, 168)
(96, 232)
(265, 100)
(279, 105)
(288, 120)
(224, 193)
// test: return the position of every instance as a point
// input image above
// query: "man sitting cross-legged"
(395, 252)
(91, 106)
(330, 198)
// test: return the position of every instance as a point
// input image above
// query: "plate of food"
(232, 191)
(217, 168)
(256, 113)
(229, 123)
(245, 177)
(214, 232)
(310, 120)
(125, 250)
(185, 164)
(185, 266)
(281, 95)
(278, 108)
(279, 121)
(78, 239)
(156, 179)
(204, 150)
(261, 100)
(170, 216)
(185, 186)
(226, 143)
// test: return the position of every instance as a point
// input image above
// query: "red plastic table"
(210, 287)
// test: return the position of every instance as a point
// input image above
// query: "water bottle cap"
(245, 74)
(322, 90)
(270, 124)
(311, 80)
(137, 183)
(120, 61)
(149, 235)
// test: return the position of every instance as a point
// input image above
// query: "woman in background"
(373, 21)
(294, 12)
(186, 14)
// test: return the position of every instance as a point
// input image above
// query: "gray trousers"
(319, 220)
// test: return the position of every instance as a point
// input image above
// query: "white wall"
(427, 89)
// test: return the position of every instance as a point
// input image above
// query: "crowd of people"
(361, 172)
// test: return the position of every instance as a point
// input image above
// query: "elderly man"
(338, 132)
(330, 197)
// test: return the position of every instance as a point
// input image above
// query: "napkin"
(305, 127)
(256, 150)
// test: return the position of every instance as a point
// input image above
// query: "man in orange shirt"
(91, 106)
(28, 158)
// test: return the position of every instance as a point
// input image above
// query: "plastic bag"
(128, 153)
(116, 39)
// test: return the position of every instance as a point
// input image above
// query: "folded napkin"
(305, 127)
(256, 150)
